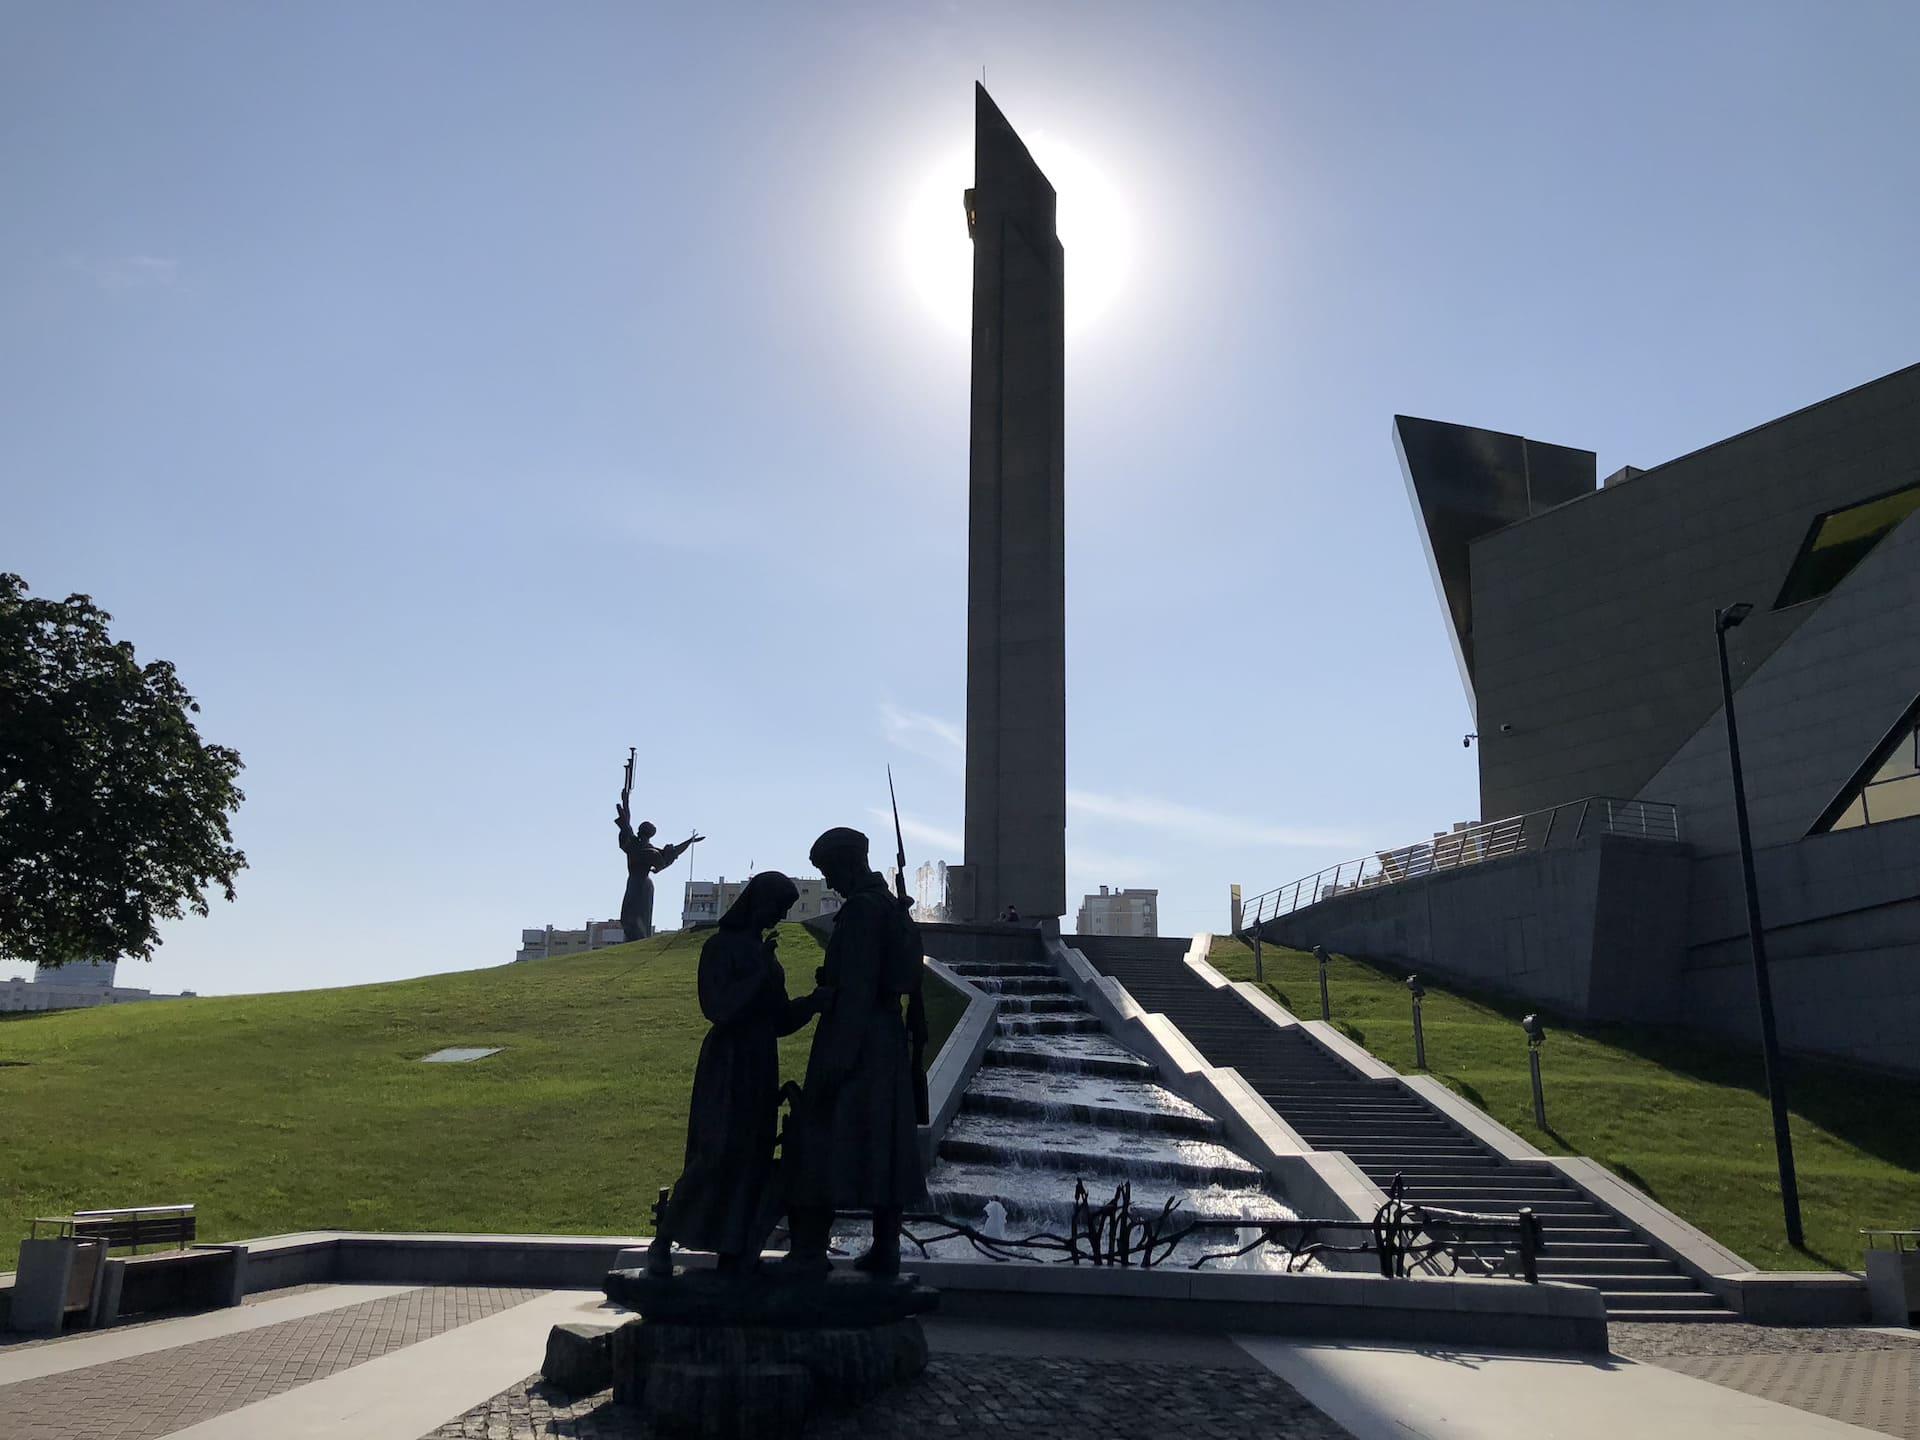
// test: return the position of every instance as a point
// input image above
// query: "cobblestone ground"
(1862, 1377)
(1006, 1397)
(151, 1395)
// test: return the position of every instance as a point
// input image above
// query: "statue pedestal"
(720, 1357)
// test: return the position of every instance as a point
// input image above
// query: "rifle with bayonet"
(626, 784)
(917, 996)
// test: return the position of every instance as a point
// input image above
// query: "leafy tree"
(113, 811)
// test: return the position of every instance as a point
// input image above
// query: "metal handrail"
(1494, 840)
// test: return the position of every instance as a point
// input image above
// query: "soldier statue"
(853, 1143)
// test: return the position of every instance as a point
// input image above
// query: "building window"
(1839, 540)
(1888, 785)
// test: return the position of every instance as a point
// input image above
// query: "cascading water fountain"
(1055, 1101)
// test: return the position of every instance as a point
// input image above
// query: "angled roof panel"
(1465, 482)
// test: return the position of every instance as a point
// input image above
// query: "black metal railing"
(1405, 1237)
(1537, 830)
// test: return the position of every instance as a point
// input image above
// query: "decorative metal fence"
(1561, 825)
(1402, 1236)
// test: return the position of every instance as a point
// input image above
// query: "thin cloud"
(127, 272)
(927, 736)
(945, 743)
(1191, 822)
(918, 831)
(1099, 867)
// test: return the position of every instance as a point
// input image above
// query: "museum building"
(1604, 878)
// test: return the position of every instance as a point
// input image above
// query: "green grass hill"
(1682, 1115)
(310, 1110)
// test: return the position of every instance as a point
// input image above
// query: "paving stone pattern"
(1009, 1398)
(147, 1396)
(15, 1340)
(1861, 1377)
(1659, 1342)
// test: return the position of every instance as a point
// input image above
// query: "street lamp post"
(1419, 993)
(1320, 958)
(1723, 621)
(1536, 1037)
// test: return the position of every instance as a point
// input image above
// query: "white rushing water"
(1058, 1101)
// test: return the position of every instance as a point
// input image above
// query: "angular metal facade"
(1466, 482)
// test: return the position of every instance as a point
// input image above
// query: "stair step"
(1431, 1177)
(1608, 1283)
(1658, 1303)
(1040, 1004)
(1438, 1169)
(1554, 1262)
(1600, 1252)
(1672, 1317)
(1507, 1203)
(1383, 1168)
(1024, 1024)
(1388, 1132)
(1562, 1230)
(1111, 1067)
(1108, 1117)
(1021, 984)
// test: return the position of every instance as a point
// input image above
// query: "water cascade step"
(1057, 1101)
(1388, 1131)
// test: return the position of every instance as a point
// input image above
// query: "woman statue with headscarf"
(723, 1201)
(644, 860)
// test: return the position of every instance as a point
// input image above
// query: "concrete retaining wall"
(1592, 929)
(1477, 1312)
(953, 1067)
(1843, 945)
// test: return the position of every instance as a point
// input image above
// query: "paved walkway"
(452, 1363)
(1869, 1378)
(162, 1378)
(1407, 1393)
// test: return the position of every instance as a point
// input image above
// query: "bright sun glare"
(1095, 229)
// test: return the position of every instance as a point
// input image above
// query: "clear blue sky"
(459, 393)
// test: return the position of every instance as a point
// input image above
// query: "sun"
(1095, 227)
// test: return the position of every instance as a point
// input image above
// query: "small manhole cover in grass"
(459, 1054)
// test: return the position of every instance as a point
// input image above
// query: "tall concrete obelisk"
(1016, 840)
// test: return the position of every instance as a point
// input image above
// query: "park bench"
(173, 1226)
(74, 1263)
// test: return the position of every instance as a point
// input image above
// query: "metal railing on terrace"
(1563, 824)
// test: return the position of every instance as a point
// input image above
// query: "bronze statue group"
(850, 1142)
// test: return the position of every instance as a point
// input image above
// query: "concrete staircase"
(1389, 1131)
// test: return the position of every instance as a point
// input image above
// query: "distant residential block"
(707, 900)
(546, 942)
(73, 987)
(1119, 912)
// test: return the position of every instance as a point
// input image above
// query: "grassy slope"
(310, 1110)
(1683, 1116)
